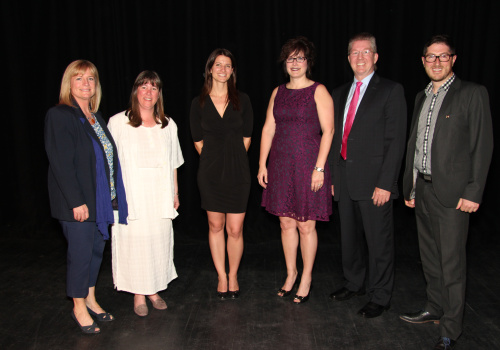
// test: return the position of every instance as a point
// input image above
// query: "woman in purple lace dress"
(297, 136)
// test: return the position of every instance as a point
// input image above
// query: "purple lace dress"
(293, 156)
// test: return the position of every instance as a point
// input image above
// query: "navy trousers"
(85, 250)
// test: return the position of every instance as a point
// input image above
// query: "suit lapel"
(417, 110)
(342, 106)
(368, 97)
(446, 105)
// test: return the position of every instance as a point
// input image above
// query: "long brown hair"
(232, 93)
(73, 69)
(133, 111)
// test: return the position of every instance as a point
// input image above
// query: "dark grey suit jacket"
(375, 145)
(462, 144)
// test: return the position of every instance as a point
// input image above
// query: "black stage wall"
(174, 38)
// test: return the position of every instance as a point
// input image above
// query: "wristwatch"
(319, 169)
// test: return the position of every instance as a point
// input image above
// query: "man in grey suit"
(365, 159)
(449, 153)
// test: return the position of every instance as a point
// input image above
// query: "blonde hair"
(73, 69)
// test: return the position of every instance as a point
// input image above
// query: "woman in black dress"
(221, 125)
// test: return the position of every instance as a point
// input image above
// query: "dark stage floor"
(35, 313)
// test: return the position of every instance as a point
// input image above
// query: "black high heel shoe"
(92, 329)
(222, 295)
(284, 293)
(301, 299)
(104, 317)
(233, 294)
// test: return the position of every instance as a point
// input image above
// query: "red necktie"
(349, 120)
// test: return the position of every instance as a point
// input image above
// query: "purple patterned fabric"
(293, 156)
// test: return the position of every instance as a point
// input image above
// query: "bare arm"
(324, 105)
(199, 146)
(176, 191)
(266, 140)
(246, 142)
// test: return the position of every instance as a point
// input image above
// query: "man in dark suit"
(365, 159)
(449, 153)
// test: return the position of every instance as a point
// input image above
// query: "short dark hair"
(294, 46)
(440, 39)
(134, 113)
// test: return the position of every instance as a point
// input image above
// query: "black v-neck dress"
(224, 172)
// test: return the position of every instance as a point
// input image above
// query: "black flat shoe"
(284, 293)
(86, 329)
(104, 317)
(222, 295)
(233, 294)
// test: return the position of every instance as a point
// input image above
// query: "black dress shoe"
(233, 294)
(419, 317)
(372, 310)
(345, 294)
(445, 344)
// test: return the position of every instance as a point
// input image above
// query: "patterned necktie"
(350, 119)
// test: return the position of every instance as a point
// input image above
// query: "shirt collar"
(444, 87)
(365, 81)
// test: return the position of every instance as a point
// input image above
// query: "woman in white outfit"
(149, 152)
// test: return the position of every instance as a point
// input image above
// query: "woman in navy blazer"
(84, 183)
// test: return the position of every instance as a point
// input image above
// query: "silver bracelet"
(319, 169)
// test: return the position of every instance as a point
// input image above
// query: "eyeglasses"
(444, 57)
(360, 53)
(298, 59)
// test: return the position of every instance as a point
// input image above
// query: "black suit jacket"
(375, 145)
(462, 144)
(72, 168)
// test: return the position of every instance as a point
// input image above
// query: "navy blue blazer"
(72, 164)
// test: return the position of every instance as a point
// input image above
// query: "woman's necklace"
(91, 119)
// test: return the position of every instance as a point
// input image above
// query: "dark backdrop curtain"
(174, 38)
